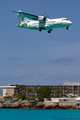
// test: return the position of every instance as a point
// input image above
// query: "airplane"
(41, 22)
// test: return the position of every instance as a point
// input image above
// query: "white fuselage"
(49, 24)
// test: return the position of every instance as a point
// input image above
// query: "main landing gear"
(40, 29)
(49, 31)
(67, 27)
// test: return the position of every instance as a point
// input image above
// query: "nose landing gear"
(67, 27)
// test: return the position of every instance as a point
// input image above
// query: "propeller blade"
(45, 16)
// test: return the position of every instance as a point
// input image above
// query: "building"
(68, 89)
(1, 92)
(7, 90)
(72, 88)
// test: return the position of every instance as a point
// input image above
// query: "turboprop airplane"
(41, 22)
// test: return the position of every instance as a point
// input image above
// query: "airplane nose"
(70, 23)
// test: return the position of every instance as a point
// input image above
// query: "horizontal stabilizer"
(30, 16)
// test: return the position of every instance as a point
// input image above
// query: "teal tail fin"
(21, 17)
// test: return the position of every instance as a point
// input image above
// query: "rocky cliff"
(34, 104)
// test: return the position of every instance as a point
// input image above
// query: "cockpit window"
(65, 19)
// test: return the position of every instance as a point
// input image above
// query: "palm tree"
(36, 88)
(54, 89)
(68, 91)
(58, 91)
(75, 92)
(64, 88)
(28, 90)
(21, 88)
(6, 94)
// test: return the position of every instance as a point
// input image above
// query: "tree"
(28, 90)
(21, 88)
(6, 94)
(68, 91)
(57, 92)
(36, 87)
(44, 91)
(35, 90)
(64, 88)
(75, 92)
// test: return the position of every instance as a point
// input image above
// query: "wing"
(30, 16)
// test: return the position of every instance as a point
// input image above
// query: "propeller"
(45, 16)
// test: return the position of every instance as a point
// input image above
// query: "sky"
(39, 58)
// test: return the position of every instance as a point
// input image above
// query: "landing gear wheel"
(40, 29)
(49, 31)
(67, 28)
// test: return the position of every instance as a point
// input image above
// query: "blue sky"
(33, 57)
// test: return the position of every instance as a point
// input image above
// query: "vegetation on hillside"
(44, 91)
(21, 96)
(7, 98)
(57, 92)
(28, 90)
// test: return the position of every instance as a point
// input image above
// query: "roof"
(7, 87)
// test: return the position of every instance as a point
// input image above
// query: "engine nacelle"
(41, 17)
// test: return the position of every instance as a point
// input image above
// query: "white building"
(7, 90)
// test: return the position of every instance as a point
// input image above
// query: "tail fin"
(21, 17)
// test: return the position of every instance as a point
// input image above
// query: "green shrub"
(30, 98)
(49, 98)
(7, 97)
(21, 96)
(41, 98)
